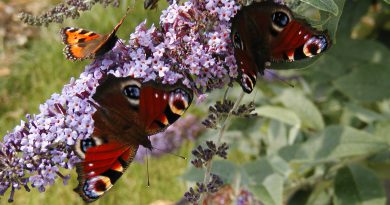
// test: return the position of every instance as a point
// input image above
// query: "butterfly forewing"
(80, 43)
(171, 103)
(292, 40)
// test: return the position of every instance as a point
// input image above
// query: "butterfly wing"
(298, 41)
(247, 70)
(160, 107)
(127, 111)
(80, 43)
(250, 48)
(103, 162)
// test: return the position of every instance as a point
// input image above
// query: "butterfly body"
(83, 44)
(127, 112)
(266, 32)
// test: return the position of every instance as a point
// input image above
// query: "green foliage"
(324, 5)
(355, 184)
(327, 140)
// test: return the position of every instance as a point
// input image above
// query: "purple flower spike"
(191, 45)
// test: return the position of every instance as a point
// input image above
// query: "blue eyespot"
(281, 19)
(132, 92)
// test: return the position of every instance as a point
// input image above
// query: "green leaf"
(262, 194)
(278, 113)
(366, 83)
(334, 69)
(324, 5)
(361, 53)
(258, 170)
(363, 114)
(351, 17)
(270, 190)
(303, 107)
(338, 142)
(333, 23)
(382, 129)
(358, 185)
(226, 169)
(334, 143)
(387, 1)
(274, 185)
(276, 136)
(280, 166)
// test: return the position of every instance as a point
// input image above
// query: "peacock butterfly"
(127, 112)
(265, 32)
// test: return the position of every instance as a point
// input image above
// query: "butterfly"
(82, 44)
(127, 112)
(265, 32)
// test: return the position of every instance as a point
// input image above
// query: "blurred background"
(310, 143)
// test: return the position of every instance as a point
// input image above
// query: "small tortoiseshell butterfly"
(82, 44)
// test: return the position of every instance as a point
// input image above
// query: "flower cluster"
(203, 157)
(191, 44)
(193, 195)
(222, 109)
(35, 150)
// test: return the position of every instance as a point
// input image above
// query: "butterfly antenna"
(254, 96)
(122, 19)
(173, 154)
(147, 165)
(279, 78)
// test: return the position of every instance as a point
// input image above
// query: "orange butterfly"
(82, 44)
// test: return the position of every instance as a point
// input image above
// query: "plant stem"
(225, 125)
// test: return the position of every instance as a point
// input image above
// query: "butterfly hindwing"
(103, 163)
(248, 72)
